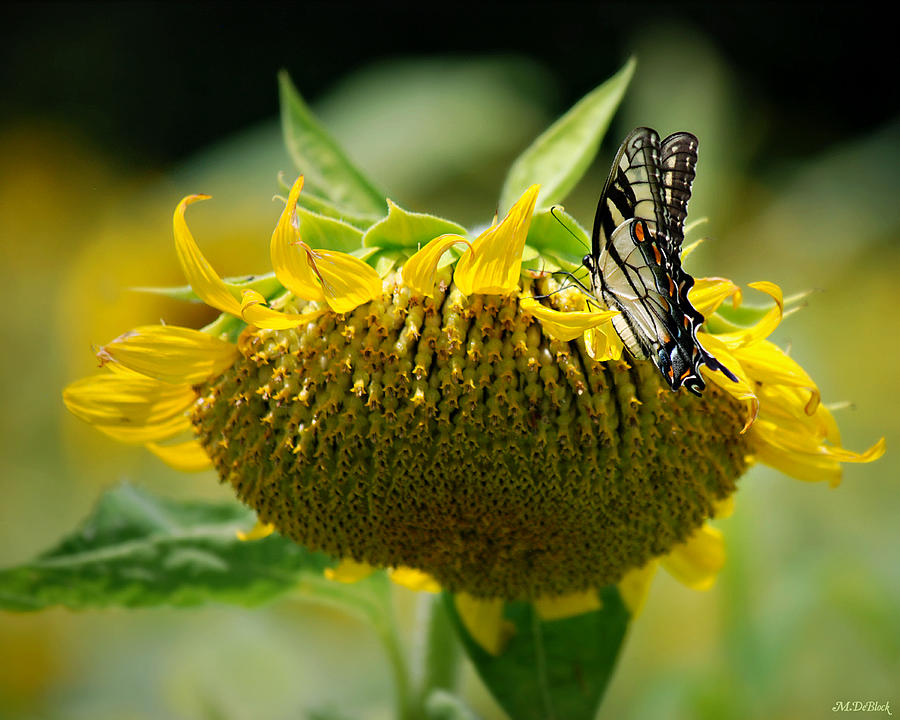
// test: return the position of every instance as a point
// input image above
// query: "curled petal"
(414, 579)
(493, 263)
(259, 531)
(762, 329)
(255, 311)
(420, 269)
(483, 619)
(346, 280)
(292, 267)
(210, 288)
(169, 353)
(634, 587)
(559, 607)
(708, 293)
(697, 561)
(565, 325)
(131, 408)
(349, 571)
(186, 456)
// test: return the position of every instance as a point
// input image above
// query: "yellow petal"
(414, 579)
(603, 343)
(169, 353)
(688, 249)
(186, 456)
(419, 271)
(724, 508)
(493, 263)
(708, 293)
(259, 531)
(766, 362)
(349, 571)
(210, 288)
(565, 325)
(697, 561)
(347, 281)
(255, 311)
(560, 607)
(131, 408)
(291, 266)
(762, 329)
(635, 586)
(483, 619)
(743, 388)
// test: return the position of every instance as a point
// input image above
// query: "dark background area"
(152, 82)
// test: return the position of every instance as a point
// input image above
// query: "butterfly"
(635, 260)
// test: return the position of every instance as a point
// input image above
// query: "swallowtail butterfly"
(635, 263)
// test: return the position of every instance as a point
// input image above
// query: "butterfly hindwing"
(678, 165)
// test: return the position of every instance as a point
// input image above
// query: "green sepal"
(563, 152)
(136, 550)
(326, 169)
(327, 233)
(404, 229)
(266, 285)
(551, 668)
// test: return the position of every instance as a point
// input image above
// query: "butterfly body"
(635, 260)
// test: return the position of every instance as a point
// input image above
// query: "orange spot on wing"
(671, 374)
(658, 255)
(671, 287)
(639, 231)
(685, 374)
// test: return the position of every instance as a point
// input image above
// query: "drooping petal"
(255, 311)
(603, 343)
(493, 263)
(346, 280)
(259, 531)
(130, 407)
(697, 561)
(349, 571)
(419, 271)
(291, 266)
(565, 325)
(484, 621)
(709, 292)
(752, 335)
(559, 607)
(743, 388)
(169, 353)
(210, 288)
(635, 586)
(414, 579)
(186, 456)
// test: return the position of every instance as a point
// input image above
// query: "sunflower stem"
(386, 630)
(441, 652)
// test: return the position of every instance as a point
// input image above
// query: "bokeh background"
(110, 113)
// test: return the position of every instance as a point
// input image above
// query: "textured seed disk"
(453, 436)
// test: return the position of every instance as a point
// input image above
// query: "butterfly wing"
(678, 167)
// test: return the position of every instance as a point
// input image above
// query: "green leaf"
(266, 285)
(404, 229)
(551, 668)
(562, 153)
(323, 207)
(321, 232)
(326, 168)
(135, 550)
(559, 233)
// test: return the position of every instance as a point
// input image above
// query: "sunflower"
(460, 419)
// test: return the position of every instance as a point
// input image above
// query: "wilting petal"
(635, 586)
(493, 263)
(697, 561)
(484, 621)
(565, 325)
(255, 311)
(708, 293)
(414, 579)
(762, 329)
(169, 353)
(186, 456)
(291, 265)
(349, 571)
(210, 288)
(346, 280)
(420, 269)
(562, 606)
(131, 408)
(259, 531)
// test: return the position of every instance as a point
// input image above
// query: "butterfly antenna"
(568, 229)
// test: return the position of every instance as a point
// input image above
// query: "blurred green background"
(111, 113)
